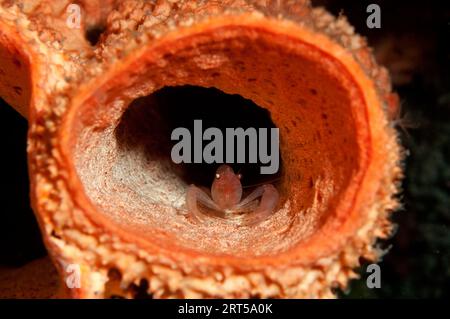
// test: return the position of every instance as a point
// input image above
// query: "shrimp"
(225, 200)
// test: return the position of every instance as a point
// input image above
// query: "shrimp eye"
(217, 176)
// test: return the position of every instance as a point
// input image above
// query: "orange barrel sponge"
(111, 203)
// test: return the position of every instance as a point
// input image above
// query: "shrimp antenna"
(273, 180)
(404, 120)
